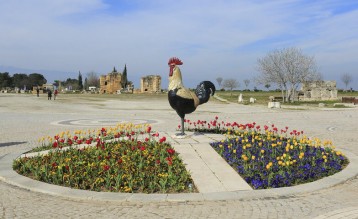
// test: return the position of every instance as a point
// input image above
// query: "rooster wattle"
(181, 99)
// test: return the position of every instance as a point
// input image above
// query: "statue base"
(180, 136)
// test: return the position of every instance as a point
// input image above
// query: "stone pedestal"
(240, 99)
(274, 105)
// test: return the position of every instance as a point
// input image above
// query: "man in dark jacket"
(49, 94)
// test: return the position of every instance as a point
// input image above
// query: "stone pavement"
(25, 118)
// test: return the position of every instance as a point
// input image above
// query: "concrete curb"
(8, 175)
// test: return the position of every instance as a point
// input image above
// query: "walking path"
(222, 192)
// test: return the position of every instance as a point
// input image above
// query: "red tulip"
(170, 160)
(149, 128)
(170, 151)
(106, 167)
(163, 139)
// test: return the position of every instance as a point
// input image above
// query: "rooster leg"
(182, 128)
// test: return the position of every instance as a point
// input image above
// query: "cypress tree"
(124, 81)
(80, 84)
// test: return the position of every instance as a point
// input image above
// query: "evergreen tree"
(86, 84)
(124, 81)
(36, 79)
(21, 80)
(80, 84)
(5, 80)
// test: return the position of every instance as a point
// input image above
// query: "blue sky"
(213, 38)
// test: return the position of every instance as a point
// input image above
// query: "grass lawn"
(262, 97)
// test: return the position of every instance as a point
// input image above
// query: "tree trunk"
(283, 95)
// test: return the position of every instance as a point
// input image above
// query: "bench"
(353, 100)
(275, 99)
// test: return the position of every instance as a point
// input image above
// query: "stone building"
(114, 82)
(150, 84)
(318, 90)
(43, 88)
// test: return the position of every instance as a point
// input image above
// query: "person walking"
(38, 91)
(49, 94)
(55, 94)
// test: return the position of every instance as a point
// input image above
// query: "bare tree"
(230, 84)
(346, 78)
(92, 79)
(287, 68)
(246, 82)
(219, 80)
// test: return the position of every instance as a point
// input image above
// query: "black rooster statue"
(181, 99)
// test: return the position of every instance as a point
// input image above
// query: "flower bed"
(136, 160)
(269, 158)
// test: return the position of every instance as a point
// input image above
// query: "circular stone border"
(8, 175)
(100, 122)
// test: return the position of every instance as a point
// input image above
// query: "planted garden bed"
(131, 165)
(270, 158)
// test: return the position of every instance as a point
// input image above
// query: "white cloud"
(212, 37)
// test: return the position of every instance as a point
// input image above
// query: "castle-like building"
(150, 84)
(114, 82)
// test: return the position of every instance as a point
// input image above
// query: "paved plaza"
(25, 118)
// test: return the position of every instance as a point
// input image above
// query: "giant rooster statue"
(181, 99)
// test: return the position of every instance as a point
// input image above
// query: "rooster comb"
(174, 61)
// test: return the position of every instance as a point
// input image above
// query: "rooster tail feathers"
(203, 91)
